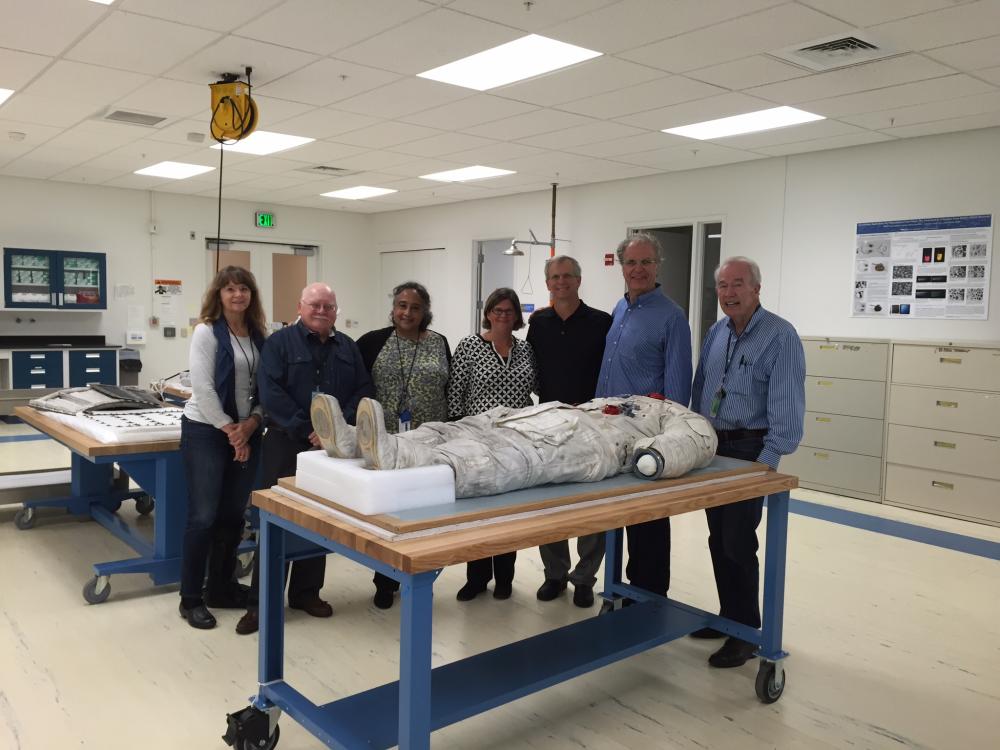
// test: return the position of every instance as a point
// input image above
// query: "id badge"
(405, 420)
(713, 410)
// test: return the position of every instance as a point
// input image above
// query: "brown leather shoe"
(248, 623)
(315, 607)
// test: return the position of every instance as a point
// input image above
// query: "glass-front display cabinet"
(54, 279)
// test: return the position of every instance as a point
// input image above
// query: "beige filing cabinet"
(841, 448)
(943, 442)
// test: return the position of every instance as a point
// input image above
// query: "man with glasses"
(568, 340)
(750, 385)
(309, 357)
(647, 350)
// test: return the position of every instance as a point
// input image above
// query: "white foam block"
(347, 482)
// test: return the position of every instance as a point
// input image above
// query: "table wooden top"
(85, 445)
(182, 394)
(418, 554)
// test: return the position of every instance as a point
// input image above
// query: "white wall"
(795, 215)
(64, 216)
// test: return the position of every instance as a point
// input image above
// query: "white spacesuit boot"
(384, 451)
(338, 438)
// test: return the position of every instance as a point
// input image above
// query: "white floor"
(894, 644)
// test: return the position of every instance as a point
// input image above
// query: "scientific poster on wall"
(923, 268)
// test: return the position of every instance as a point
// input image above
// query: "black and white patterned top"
(482, 379)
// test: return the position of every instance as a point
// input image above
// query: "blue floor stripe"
(958, 542)
(23, 438)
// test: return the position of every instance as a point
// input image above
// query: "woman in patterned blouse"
(409, 366)
(492, 369)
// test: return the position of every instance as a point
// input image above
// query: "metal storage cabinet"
(37, 369)
(92, 367)
(943, 447)
(841, 448)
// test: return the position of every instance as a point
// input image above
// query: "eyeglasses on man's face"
(645, 262)
(502, 312)
(320, 307)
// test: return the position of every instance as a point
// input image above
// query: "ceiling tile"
(47, 27)
(750, 71)
(386, 134)
(418, 167)
(943, 27)
(327, 81)
(139, 154)
(695, 156)
(232, 54)
(79, 82)
(44, 162)
(687, 113)
(325, 26)
(465, 113)
(536, 18)
(372, 160)
(805, 132)
(403, 97)
(768, 30)
(593, 132)
(169, 99)
(322, 152)
(654, 94)
(177, 132)
(488, 155)
(990, 74)
(531, 123)
(971, 122)
(919, 92)
(868, 13)
(258, 165)
(94, 137)
(633, 23)
(17, 68)
(137, 182)
(220, 15)
(920, 113)
(44, 110)
(648, 141)
(324, 122)
(873, 75)
(443, 143)
(146, 45)
(272, 111)
(34, 134)
(10, 151)
(981, 53)
(588, 78)
(87, 174)
(428, 41)
(822, 144)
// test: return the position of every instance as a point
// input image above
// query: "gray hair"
(559, 259)
(643, 238)
(752, 265)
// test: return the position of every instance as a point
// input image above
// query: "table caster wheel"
(97, 590)
(144, 505)
(770, 682)
(244, 564)
(249, 729)
(25, 518)
(269, 744)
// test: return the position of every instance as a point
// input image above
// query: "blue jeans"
(218, 492)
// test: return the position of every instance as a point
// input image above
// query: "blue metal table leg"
(271, 661)
(417, 597)
(613, 547)
(774, 577)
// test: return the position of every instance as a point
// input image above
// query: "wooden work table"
(84, 444)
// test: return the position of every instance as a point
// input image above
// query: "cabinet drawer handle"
(36, 356)
(822, 456)
(41, 385)
(942, 485)
(824, 382)
(823, 419)
(828, 346)
(92, 369)
(950, 360)
(942, 444)
(947, 404)
(37, 370)
(92, 356)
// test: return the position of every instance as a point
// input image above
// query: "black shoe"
(550, 590)
(583, 596)
(234, 596)
(503, 590)
(383, 598)
(470, 591)
(198, 616)
(734, 653)
(707, 633)
(315, 607)
(249, 623)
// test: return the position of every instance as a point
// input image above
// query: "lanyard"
(404, 389)
(251, 364)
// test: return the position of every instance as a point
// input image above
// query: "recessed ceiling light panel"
(523, 58)
(466, 173)
(174, 170)
(262, 143)
(751, 122)
(358, 193)
(5, 94)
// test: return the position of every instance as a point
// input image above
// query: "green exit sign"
(264, 219)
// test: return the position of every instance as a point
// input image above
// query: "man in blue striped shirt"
(750, 384)
(647, 350)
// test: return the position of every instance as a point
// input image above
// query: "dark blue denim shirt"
(225, 366)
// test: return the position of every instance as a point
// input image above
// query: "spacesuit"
(507, 449)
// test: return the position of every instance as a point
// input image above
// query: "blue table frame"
(93, 493)
(405, 712)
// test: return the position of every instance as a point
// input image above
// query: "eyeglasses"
(502, 312)
(319, 307)
(645, 262)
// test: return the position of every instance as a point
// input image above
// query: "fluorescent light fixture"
(466, 173)
(103, 2)
(358, 193)
(523, 58)
(5, 94)
(751, 122)
(262, 143)
(174, 170)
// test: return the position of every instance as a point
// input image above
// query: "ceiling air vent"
(134, 118)
(329, 171)
(838, 52)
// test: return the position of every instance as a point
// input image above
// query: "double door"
(54, 279)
